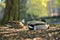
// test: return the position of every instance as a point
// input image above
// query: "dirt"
(6, 33)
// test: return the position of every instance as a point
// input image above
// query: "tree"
(37, 7)
(58, 6)
(23, 9)
(12, 11)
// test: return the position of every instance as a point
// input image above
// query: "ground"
(6, 33)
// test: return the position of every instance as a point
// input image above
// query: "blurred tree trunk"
(12, 11)
(23, 9)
